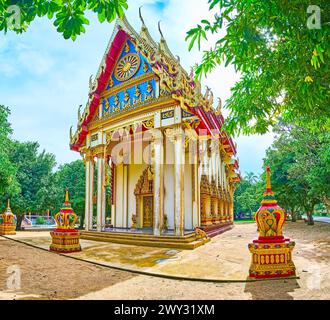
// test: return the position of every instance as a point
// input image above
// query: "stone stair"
(186, 242)
(215, 230)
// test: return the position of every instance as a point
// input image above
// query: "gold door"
(148, 211)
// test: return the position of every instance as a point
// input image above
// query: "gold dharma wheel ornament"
(127, 67)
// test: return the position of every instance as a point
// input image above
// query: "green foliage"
(8, 183)
(284, 65)
(40, 221)
(34, 175)
(72, 176)
(27, 176)
(300, 161)
(248, 194)
(69, 16)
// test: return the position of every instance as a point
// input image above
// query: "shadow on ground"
(272, 290)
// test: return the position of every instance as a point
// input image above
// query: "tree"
(281, 50)
(34, 175)
(301, 160)
(8, 183)
(70, 15)
(248, 194)
(281, 158)
(72, 176)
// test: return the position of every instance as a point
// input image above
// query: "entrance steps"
(217, 229)
(186, 242)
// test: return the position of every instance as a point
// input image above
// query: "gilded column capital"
(99, 151)
(137, 126)
(214, 145)
(173, 134)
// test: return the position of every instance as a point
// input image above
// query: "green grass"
(243, 221)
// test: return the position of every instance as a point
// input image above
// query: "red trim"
(265, 240)
(209, 120)
(113, 181)
(110, 59)
(66, 230)
(288, 274)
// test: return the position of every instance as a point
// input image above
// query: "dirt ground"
(49, 276)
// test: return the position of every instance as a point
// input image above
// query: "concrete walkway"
(322, 219)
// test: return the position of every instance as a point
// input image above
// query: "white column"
(125, 197)
(204, 155)
(196, 206)
(91, 193)
(87, 192)
(100, 193)
(179, 182)
(159, 185)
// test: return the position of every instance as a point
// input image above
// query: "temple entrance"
(148, 209)
(145, 199)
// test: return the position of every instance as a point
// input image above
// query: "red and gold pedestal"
(271, 252)
(7, 229)
(7, 222)
(272, 260)
(65, 238)
(65, 241)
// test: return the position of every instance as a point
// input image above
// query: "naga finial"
(79, 112)
(219, 107)
(211, 98)
(192, 73)
(207, 92)
(160, 31)
(91, 82)
(141, 18)
(71, 133)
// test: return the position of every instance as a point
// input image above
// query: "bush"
(40, 221)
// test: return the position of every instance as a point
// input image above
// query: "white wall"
(169, 185)
(119, 184)
(188, 189)
(134, 173)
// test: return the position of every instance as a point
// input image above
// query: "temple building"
(159, 169)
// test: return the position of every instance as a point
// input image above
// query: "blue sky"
(44, 78)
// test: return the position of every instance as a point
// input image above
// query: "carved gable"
(131, 83)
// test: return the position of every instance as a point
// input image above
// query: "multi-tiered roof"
(174, 80)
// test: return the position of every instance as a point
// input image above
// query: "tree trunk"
(310, 220)
(19, 222)
(293, 216)
(82, 219)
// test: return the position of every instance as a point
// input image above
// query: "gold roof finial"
(161, 33)
(8, 204)
(268, 183)
(218, 110)
(66, 195)
(141, 18)
(79, 112)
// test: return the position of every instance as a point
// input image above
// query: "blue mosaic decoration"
(130, 65)
(129, 98)
(139, 65)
